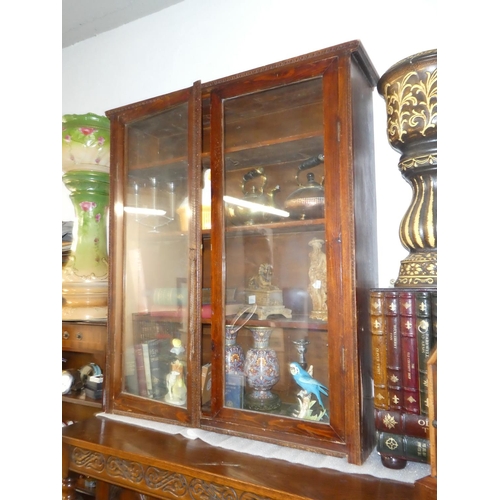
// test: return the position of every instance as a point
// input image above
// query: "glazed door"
(275, 160)
(155, 242)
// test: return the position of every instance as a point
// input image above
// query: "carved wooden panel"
(151, 480)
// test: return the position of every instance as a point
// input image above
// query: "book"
(379, 348)
(434, 311)
(234, 390)
(409, 350)
(414, 449)
(147, 369)
(424, 343)
(394, 358)
(131, 382)
(141, 373)
(400, 422)
(158, 386)
(206, 383)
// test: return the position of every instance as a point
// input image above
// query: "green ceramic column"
(86, 175)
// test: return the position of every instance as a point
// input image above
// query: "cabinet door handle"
(65, 335)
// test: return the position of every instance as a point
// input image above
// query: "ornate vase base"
(88, 313)
(267, 402)
(85, 301)
(320, 315)
(419, 269)
(264, 311)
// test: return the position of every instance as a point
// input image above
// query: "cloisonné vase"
(235, 358)
(85, 163)
(262, 371)
(410, 92)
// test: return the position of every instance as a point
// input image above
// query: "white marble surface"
(372, 466)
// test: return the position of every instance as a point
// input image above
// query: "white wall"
(209, 39)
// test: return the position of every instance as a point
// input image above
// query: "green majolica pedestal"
(85, 158)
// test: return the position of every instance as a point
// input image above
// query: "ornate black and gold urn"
(410, 92)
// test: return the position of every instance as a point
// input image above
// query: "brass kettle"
(252, 209)
(308, 201)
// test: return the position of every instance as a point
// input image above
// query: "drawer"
(84, 337)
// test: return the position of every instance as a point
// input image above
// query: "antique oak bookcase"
(285, 262)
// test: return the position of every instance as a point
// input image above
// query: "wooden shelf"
(82, 399)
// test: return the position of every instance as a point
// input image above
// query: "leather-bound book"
(157, 381)
(399, 422)
(402, 446)
(394, 359)
(434, 314)
(425, 343)
(409, 351)
(140, 370)
(379, 349)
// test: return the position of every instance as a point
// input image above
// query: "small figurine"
(267, 297)
(317, 281)
(177, 347)
(262, 281)
(307, 382)
(176, 386)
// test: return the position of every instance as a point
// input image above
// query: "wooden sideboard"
(130, 462)
(83, 342)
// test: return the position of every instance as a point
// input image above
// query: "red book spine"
(399, 422)
(394, 360)
(409, 351)
(379, 349)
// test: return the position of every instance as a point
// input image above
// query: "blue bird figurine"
(308, 383)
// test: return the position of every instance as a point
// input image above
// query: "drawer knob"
(79, 336)
(65, 335)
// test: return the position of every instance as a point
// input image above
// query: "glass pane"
(156, 221)
(276, 339)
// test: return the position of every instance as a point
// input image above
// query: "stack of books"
(403, 333)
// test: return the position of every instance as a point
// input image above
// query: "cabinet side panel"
(365, 239)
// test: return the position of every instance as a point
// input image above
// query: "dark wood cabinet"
(280, 137)
(267, 126)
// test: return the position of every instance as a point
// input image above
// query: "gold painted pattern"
(418, 269)
(411, 104)
(417, 161)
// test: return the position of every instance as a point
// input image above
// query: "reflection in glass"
(156, 267)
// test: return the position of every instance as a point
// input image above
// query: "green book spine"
(154, 363)
(434, 313)
(402, 446)
(424, 342)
